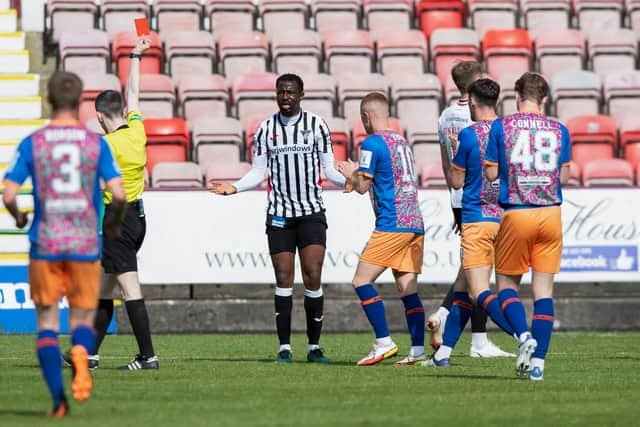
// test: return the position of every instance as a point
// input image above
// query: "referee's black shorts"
(287, 234)
(120, 255)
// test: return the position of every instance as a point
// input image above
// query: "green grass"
(591, 379)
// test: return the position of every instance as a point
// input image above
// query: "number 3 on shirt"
(544, 157)
(69, 181)
(406, 158)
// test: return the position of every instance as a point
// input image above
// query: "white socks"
(479, 339)
(416, 351)
(386, 341)
(443, 352)
(312, 347)
(284, 292)
(537, 363)
(285, 347)
(442, 314)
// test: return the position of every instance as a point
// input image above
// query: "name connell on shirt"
(534, 124)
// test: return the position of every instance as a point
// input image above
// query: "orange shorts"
(478, 244)
(78, 280)
(400, 251)
(529, 238)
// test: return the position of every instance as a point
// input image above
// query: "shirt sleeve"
(491, 155)
(107, 167)
(135, 123)
(565, 153)
(324, 138)
(18, 170)
(465, 140)
(255, 176)
(369, 156)
(441, 133)
(260, 142)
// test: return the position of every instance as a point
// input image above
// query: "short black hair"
(109, 103)
(486, 92)
(289, 77)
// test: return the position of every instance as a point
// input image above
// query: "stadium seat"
(123, 44)
(434, 14)
(92, 85)
(622, 93)
(431, 174)
(423, 138)
(189, 53)
(575, 175)
(359, 134)
(217, 140)
(157, 96)
(598, 15)
(401, 52)
(242, 53)
(559, 50)
(319, 94)
(612, 50)
(176, 174)
(592, 137)
(507, 52)
(449, 45)
(226, 171)
(348, 52)
(203, 96)
(335, 15)
(63, 15)
(254, 94)
(575, 93)
(339, 137)
(117, 15)
(353, 87)
(388, 15)
(299, 52)
(283, 16)
(94, 126)
(507, 94)
(633, 12)
(630, 138)
(167, 141)
(416, 98)
(177, 15)
(230, 15)
(541, 16)
(607, 173)
(251, 125)
(492, 14)
(84, 52)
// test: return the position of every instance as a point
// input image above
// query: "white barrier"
(196, 237)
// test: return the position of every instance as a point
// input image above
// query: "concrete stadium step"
(5, 4)
(19, 84)
(12, 41)
(12, 130)
(20, 107)
(14, 61)
(14, 244)
(7, 150)
(8, 21)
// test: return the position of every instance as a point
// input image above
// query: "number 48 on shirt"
(537, 150)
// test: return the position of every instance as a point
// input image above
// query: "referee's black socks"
(139, 319)
(314, 306)
(283, 301)
(104, 314)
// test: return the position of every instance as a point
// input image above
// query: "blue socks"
(457, 319)
(414, 311)
(513, 310)
(542, 325)
(84, 336)
(51, 364)
(374, 309)
(489, 302)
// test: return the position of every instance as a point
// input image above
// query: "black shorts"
(285, 234)
(120, 255)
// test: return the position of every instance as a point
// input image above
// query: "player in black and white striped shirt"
(293, 146)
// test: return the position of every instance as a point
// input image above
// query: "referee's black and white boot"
(140, 362)
(94, 360)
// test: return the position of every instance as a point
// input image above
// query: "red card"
(142, 26)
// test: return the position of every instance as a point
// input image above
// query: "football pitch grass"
(591, 379)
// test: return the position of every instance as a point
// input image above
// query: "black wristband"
(135, 55)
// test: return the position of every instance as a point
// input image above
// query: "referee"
(292, 145)
(126, 136)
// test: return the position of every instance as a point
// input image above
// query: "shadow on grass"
(23, 413)
(262, 360)
(476, 377)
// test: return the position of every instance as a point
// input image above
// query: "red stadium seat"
(177, 15)
(416, 98)
(176, 174)
(508, 94)
(575, 175)
(230, 15)
(449, 45)
(431, 174)
(359, 134)
(157, 96)
(298, 52)
(92, 85)
(353, 87)
(123, 44)
(203, 96)
(64, 15)
(335, 15)
(243, 53)
(388, 15)
(254, 94)
(117, 15)
(227, 171)
(167, 141)
(401, 52)
(348, 52)
(189, 53)
(559, 50)
(598, 15)
(612, 50)
(592, 137)
(542, 16)
(339, 138)
(251, 125)
(434, 14)
(283, 15)
(319, 94)
(607, 172)
(507, 51)
(575, 93)
(630, 138)
(84, 52)
(622, 93)
(217, 140)
(492, 14)
(423, 138)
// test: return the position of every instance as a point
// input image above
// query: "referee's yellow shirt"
(128, 145)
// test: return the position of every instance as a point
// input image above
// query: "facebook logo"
(599, 258)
